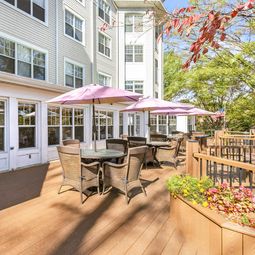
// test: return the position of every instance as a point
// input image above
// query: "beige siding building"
(50, 47)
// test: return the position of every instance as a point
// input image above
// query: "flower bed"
(236, 204)
(202, 223)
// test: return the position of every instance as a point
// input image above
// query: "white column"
(14, 137)
(182, 123)
(43, 132)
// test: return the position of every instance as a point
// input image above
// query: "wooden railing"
(219, 169)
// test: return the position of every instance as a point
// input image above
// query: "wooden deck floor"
(34, 219)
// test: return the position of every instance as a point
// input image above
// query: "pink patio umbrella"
(199, 112)
(153, 104)
(95, 94)
(171, 111)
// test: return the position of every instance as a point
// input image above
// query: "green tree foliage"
(225, 81)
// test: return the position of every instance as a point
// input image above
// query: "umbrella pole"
(94, 127)
(149, 127)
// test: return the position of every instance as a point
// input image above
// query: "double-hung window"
(162, 124)
(104, 80)
(133, 23)
(104, 45)
(30, 63)
(134, 53)
(104, 125)
(53, 125)
(134, 86)
(79, 124)
(134, 121)
(73, 26)
(35, 8)
(2, 125)
(73, 75)
(104, 11)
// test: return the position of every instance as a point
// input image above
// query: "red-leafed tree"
(210, 25)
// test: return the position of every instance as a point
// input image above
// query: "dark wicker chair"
(125, 176)
(158, 138)
(75, 173)
(170, 154)
(117, 144)
(73, 143)
(135, 141)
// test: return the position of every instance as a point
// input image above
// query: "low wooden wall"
(208, 232)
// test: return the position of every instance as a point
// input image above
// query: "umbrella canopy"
(95, 94)
(151, 104)
(171, 111)
(199, 112)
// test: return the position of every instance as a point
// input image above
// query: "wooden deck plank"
(161, 239)
(44, 222)
(174, 245)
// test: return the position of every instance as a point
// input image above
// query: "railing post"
(217, 135)
(192, 166)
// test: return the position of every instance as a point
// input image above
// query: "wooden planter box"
(208, 232)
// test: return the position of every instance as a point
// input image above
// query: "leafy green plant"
(190, 188)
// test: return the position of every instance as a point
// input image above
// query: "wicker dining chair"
(170, 154)
(135, 141)
(76, 174)
(125, 176)
(117, 144)
(158, 137)
(72, 142)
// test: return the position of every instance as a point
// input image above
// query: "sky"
(173, 4)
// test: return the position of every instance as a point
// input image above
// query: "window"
(53, 125)
(162, 124)
(79, 124)
(73, 26)
(73, 75)
(134, 86)
(35, 8)
(27, 125)
(68, 120)
(104, 45)
(134, 53)
(30, 63)
(7, 56)
(2, 125)
(134, 124)
(133, 23)
(121, 123)
(172, 124)
(104, 11)
(153, 123)
(156, 94)
(104, 125)
(104, 80)
(67, 123)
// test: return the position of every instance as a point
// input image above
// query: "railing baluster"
(231, 176)
(250, 178)
(214, 172)
(222, 172)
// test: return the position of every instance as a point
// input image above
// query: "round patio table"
(202, 139)
(101, 154)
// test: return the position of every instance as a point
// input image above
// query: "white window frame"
(103, 19)
(32, 47)
(73, 125)
(133, 15)
(107, 76)
(134, 115)
(73, 62)
(134, 53)
(106, 127)
(134, 83)
(54, 126)
(45, 23)
(66, 8)
(5, 125)
(104, 34)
